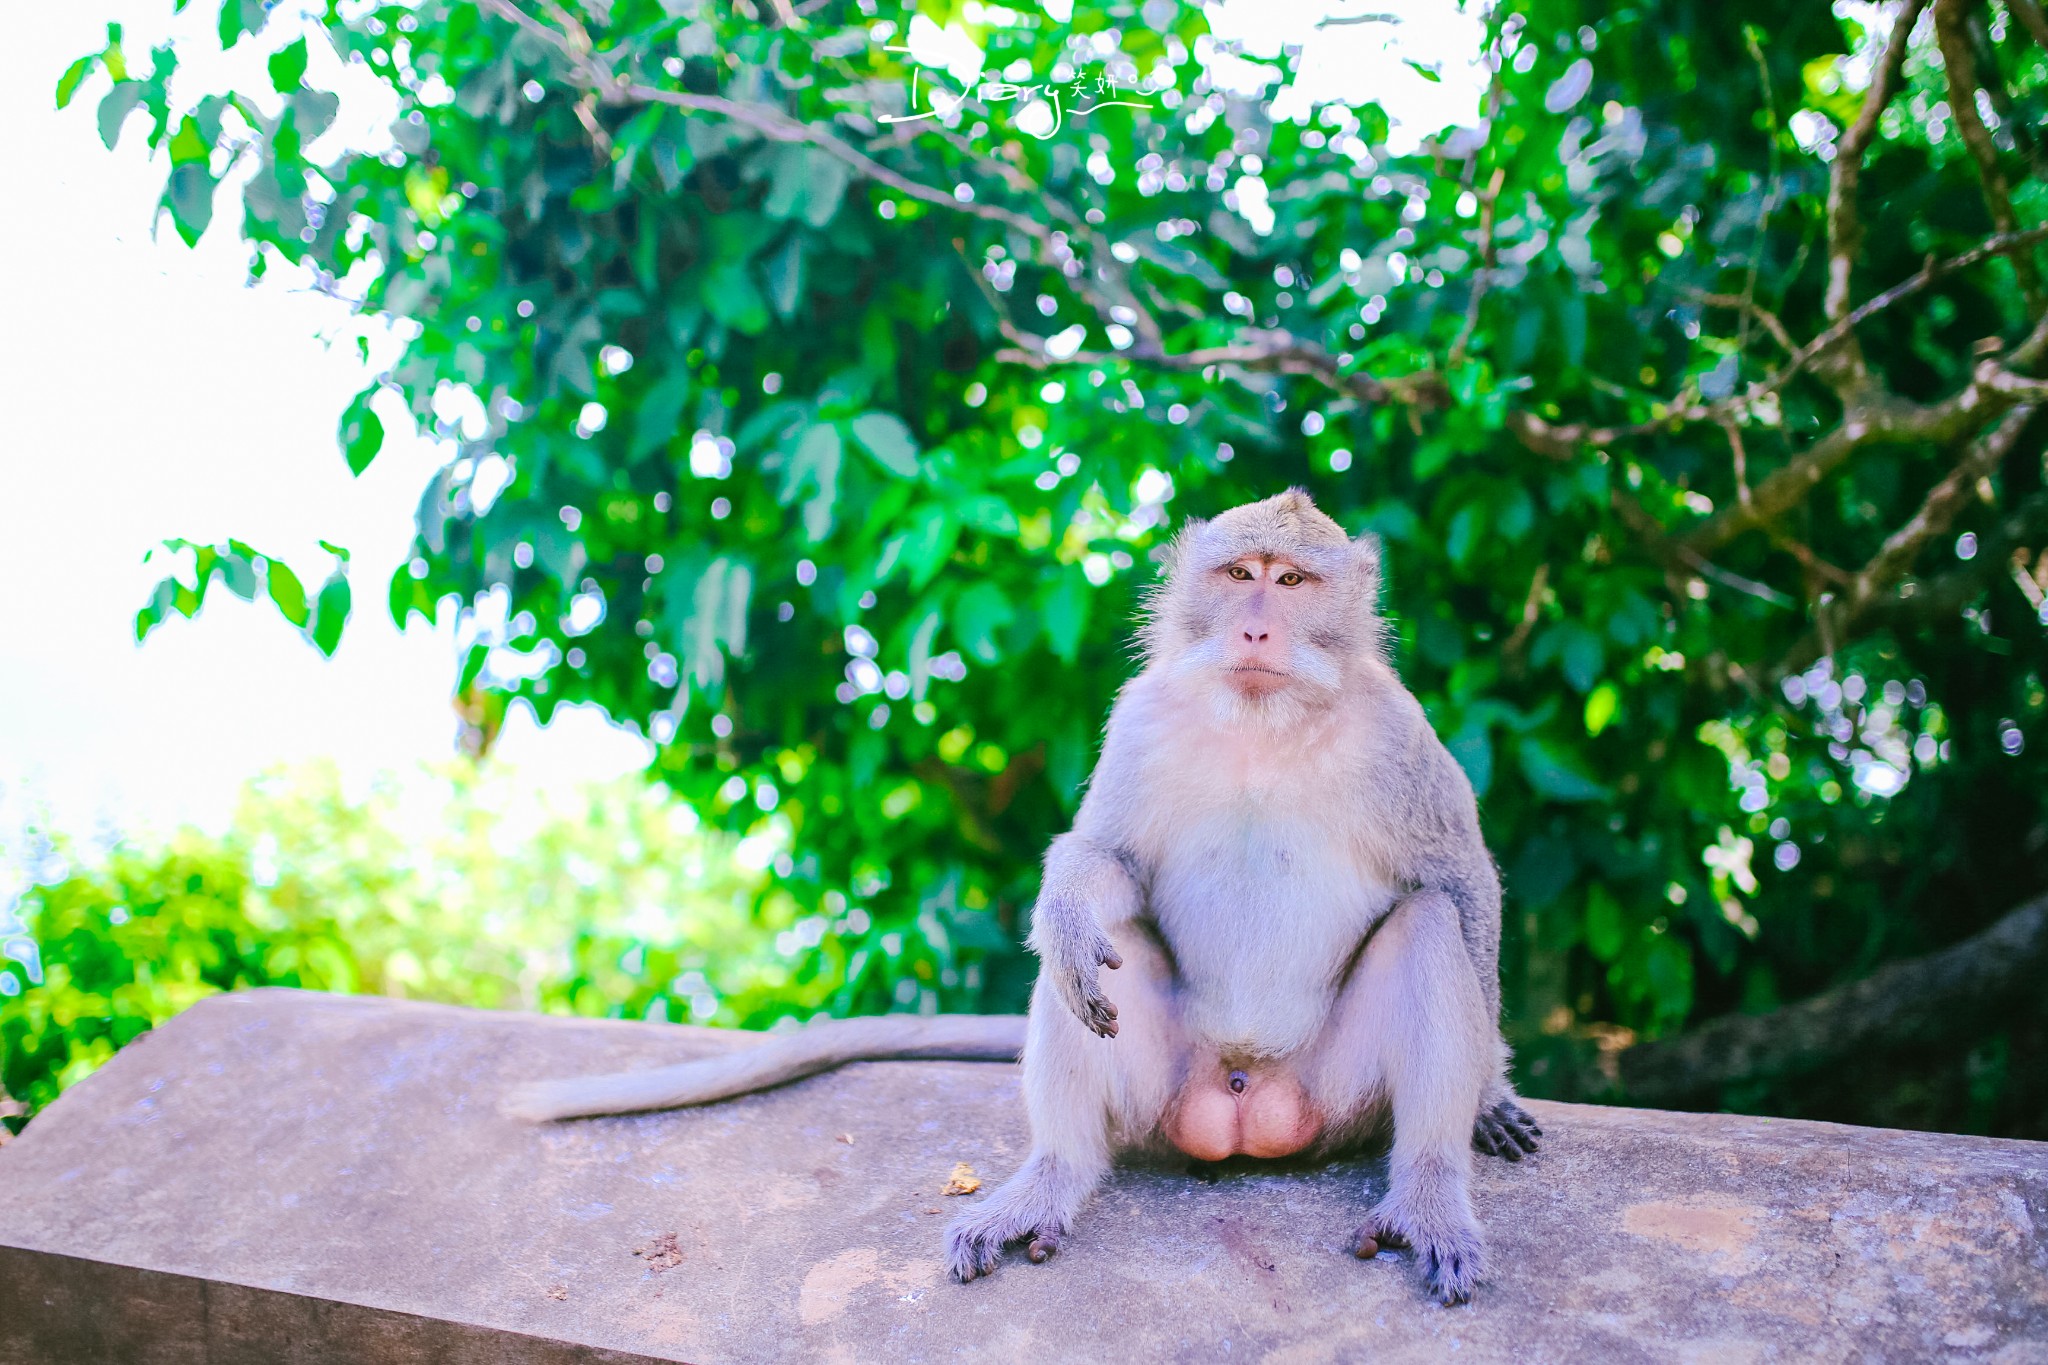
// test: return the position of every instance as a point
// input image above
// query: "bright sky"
(149, 394)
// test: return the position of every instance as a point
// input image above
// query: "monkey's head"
(1271, 602)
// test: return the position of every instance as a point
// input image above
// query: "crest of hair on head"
(1287, 524)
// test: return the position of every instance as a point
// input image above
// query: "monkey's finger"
(1110, 958)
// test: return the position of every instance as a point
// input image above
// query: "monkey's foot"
(975, 1242)
(1453, 1257)
(1506, 1130)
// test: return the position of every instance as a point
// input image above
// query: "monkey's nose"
(1258, 639)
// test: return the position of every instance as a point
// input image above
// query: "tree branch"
(1936, 513)
(2029, 12)
(1484, 276)
(1916, 604)
(1959, 64)
(1268, 352)
(1941, 996)
(1881, 419)
(1844, 222)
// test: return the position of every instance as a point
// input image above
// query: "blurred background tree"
(819, 379)
(457, 886)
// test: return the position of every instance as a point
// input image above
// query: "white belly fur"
(1262, 905)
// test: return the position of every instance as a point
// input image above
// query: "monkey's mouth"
(1255, 680)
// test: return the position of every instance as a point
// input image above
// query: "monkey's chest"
(1262, 917)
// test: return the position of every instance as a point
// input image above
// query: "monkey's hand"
(1075, 973)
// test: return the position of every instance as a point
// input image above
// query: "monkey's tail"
(781, 1058)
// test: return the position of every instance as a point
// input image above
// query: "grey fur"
(1287, 883)
(1293, 877)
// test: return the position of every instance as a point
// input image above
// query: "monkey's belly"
(1257, 1110)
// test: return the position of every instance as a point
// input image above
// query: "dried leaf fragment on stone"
(661, 1253)
(962, 1181)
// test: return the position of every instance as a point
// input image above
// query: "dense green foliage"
(831, 451)
(457, 887)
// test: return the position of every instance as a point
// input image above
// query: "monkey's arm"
(1088, 889)
(781, 1058)
(1091, 885)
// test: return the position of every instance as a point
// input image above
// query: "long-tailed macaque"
(1281, 869)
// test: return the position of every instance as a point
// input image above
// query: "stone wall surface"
(280, 1176)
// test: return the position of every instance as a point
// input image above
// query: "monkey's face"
(1268, 632)
(1267, 606)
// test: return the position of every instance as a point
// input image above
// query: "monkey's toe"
(1451, 1265)
(1506, 1130)
(1042, 1246)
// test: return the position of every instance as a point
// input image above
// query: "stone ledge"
(279, 1176)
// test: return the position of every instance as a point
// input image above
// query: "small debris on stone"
(933, 1209)
(558, 1291)
(846, 1138)
(662, 1253)
(962, 1181)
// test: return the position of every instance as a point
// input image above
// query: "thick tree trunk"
(1941, 996)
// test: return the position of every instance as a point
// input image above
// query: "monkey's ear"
(1366, 548)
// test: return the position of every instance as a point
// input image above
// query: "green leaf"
(986, 512)
(238, 571)
(786, 277)
(814, 468)
(1065, 609)
(1606, 930)
(1555, 774)
(361, 432)
(67, 84)
(288, 67)
(330, 611)
(733, 297)
(189, 196)
(472, 667)
(921, 654)
(888, 441)
(238, 17)
(1601, 705)
(287, 592)
(1473, 749)
(660, 415)
(980, 615)
(115, 107)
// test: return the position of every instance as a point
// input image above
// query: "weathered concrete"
(277, 1176)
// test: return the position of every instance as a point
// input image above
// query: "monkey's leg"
(1413, 1015)
(1083, 1093)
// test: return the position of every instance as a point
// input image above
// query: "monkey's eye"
(1240, 573)
(1289, 579)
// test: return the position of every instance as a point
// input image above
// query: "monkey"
(1272, 929)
